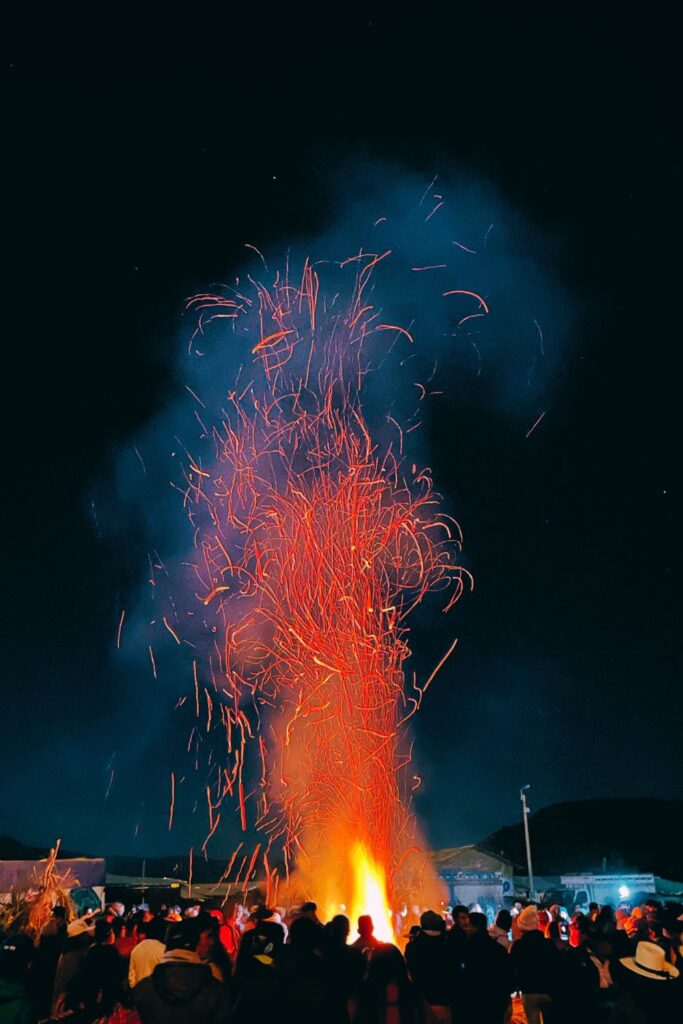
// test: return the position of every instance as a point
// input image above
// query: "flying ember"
(313, 541)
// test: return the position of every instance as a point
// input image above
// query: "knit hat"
(527, 920)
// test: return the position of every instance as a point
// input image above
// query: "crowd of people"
(267, 965)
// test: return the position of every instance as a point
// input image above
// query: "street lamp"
(525, 818)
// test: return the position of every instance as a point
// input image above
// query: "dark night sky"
(141, 158)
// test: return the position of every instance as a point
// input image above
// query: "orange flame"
(370, 892)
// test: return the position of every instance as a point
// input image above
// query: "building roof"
(470, 858)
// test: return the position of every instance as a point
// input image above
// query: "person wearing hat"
(98, 986)
(428, 967)
(650, 988)
(80, 934)
(259, 985)
(534, 962)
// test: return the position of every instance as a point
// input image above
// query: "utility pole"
(525, 817)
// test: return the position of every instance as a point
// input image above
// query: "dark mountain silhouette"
(154, 867)
(582, 835)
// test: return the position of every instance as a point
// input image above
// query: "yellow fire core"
(369, 892)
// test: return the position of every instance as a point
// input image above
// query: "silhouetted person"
(309, 992)
(387, 995)
(534, 962)
(456, 944)
(650, 989)
(605, 920)
(214, 952)
(586, 990)
(182, 989)
(16, 1006)
(366, 940)
(346, 963)
(310, 910)
(230, 931)
(555, 935)
(500, 931)
(259, 986)
(428, 966)
(486, 983)
(98, 985)
(79, 938)
(45, 960)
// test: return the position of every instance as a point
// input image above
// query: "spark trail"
(313, 543)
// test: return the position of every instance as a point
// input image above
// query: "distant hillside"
(641, 835)
(12, 849)
(155, 867)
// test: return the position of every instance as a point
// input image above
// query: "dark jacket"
(310, 996)
(99, 981)
(15, 1005)
(428, 966)
(181, 990)
(346, 967)
(456, 944)
(578, 996)
(261, 993)
(486, 981)
(642, 1001)
(534, 961)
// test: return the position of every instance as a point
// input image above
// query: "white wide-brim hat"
(80, 926)
(650, 962)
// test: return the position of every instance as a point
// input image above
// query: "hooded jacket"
(427, 961)
(181, 990)
(534, 961)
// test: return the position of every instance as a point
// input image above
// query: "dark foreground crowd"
(266, 966)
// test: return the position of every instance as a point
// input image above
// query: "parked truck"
(577, 891)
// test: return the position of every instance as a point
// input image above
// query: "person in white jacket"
(148, 953)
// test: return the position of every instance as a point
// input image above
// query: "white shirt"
(144, 958)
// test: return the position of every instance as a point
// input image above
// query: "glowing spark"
(144, 468)
(533, 427)
(465, 248)
(463, 291)
(171, 631)
(441, 663)
(118, 633)
(172, 807)
(306, 529)
(270, 340)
